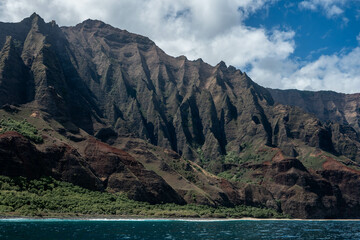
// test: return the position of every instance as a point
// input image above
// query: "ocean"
(156, 229)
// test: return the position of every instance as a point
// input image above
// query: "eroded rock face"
(114, 84)
(120, 172)
(326, 105)
(185, 105)
(15, 81)
(190, 106)
(68, 165)
(348, 181)
(301, 193)
(339, 111)
(19, 157)
(189, 180)
(36, 68)
(102, 167)
(108, 81)
(307, 194)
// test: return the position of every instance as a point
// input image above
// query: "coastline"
(139, 218)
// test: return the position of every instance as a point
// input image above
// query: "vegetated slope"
(120, 87)
(87, 162)
(47, 197)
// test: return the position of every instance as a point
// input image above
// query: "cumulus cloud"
(331, 8)
(339, 72)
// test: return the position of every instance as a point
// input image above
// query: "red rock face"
(306, 194)
(120, 172)
(18, 157)
(348, 181)
(68, 165)
(101, 167)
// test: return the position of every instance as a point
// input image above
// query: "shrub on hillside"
(22, 127)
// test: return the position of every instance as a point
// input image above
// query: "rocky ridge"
(177, 117)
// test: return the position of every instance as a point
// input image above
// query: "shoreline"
(137, 218)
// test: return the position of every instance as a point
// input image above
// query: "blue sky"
(317, 32)
(302, 44)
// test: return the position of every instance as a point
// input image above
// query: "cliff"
(131, 118)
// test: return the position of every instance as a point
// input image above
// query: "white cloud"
(308, 5)
(335, 72)
(331, 8)
(334, 11)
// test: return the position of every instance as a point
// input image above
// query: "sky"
(299, 44)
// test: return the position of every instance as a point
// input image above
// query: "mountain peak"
(109, 32)
(34, 15)
(34, 19)
(221, 65)
(93, 23)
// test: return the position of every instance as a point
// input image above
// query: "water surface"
(176, 229)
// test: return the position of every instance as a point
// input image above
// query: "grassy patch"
(240, 171)
(242, 175)
(232, 157)
(23, 127)
(49, 197)
(313, 162)
(257, 155)
(184, 169)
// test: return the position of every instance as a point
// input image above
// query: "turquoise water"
(176, 229)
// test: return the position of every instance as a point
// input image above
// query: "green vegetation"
(239, 174)
(202, 160)
(240, 171)
(185, 170)
(23, 127)
(227, 175)
(312, 161)
(232, 157)
(249, 153)
(256, 155)
(209, 164)
(51, 198)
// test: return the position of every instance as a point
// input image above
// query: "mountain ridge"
(200, 122)
(326, 105)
